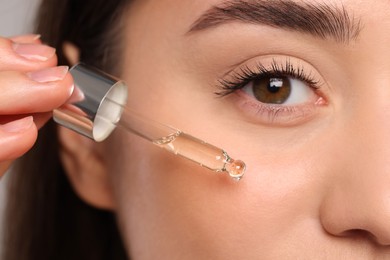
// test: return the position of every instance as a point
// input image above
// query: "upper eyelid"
(288, 70)
(245, 74)
(275, 56)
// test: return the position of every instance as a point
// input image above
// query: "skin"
(18, 130)
(316, 186)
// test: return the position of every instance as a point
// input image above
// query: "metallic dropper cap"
(93, 109)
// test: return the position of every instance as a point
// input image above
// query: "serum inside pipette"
(177, 142)
(206, 155)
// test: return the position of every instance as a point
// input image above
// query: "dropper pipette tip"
(235, 168)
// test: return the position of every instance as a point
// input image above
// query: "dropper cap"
(90, 110)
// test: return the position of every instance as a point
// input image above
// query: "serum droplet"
(236, 169)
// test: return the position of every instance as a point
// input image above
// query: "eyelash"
(240, 79)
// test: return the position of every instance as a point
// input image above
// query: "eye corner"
(321, 101)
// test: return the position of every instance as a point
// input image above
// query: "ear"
(71, 52)
(83, 158)
(85, 167)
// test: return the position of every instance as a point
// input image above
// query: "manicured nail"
(36, 52)
(76, 96)
(49, 74)
(35, 37)
(27, 38)
(18, 125)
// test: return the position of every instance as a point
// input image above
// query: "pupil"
(272, 90)
(275, 84)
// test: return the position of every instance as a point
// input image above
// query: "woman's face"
(304, 90)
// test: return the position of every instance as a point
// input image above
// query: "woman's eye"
(279, 90)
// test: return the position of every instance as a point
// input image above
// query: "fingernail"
(36, 52)
(18, 125)
(27, 38)
(49, 74)
(76, 96)
(35, 37)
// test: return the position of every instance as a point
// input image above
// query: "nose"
(357, 202)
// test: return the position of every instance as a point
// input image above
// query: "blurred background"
(16, 17)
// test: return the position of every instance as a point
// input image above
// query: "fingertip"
(49, 74)
(68, 86)
(40, 119)
(25, 57)
(40, 91)
(18, 126)
(34, 52)
(17, 137)
(27, 38)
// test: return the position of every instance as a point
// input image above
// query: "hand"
(30, 88)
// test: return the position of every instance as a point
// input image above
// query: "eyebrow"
(320, 20)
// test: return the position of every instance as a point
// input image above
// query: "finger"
(25, 56)
(35, 92)
(16, 138)
(27, 38)
(40, 119)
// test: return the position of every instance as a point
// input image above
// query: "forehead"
(184, 13)
(172, 19)
(187, 11)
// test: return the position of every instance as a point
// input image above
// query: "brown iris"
(272, 90)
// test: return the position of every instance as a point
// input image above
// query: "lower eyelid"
(274, 114)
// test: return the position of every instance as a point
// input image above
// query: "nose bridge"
(367, 122)
(360, 198)
(369, 136)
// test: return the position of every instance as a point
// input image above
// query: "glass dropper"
(97, 107)
(176, 141)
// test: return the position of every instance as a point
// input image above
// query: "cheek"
(180, 207)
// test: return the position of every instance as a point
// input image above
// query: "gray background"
(16, 17)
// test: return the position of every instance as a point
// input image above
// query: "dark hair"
(44, 218)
